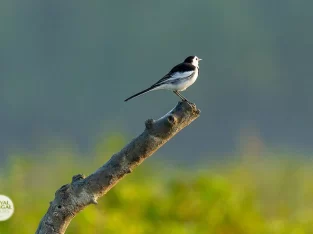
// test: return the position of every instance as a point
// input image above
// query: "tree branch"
(74, 197)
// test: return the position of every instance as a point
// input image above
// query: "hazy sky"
(67, 66)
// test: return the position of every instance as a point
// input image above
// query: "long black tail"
(140, 93)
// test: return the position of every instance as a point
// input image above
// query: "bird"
(179, 78)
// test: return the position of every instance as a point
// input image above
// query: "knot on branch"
(94, 201)
(172, 120)
(63, 189)
(78, 177)
(128, 170)
(149, 123)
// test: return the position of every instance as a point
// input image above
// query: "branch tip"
(197, 111)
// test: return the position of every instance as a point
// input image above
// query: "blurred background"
(245, 164)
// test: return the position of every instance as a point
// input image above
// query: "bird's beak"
(199, 59)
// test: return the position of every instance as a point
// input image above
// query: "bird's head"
(194, 60)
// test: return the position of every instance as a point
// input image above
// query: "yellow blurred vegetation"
(267, 194)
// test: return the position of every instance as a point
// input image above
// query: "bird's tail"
(140, 93)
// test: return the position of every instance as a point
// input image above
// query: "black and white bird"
(178, 79)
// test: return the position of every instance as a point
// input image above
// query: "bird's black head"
(194, 60)
(189, 59)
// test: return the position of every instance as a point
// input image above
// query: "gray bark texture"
(83, 191)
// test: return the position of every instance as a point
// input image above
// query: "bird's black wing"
(180, 68)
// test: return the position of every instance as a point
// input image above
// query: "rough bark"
(81, 192)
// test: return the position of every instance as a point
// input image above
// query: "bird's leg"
(181, 97)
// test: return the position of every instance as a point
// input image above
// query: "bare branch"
(72, 198)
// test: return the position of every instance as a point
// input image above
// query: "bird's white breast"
(184, 85)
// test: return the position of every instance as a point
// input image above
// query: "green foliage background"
(242, 195)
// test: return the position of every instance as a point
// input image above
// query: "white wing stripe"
(177, 76)
(181, 74)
